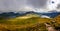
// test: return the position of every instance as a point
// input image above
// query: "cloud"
(6, 5)
(58, 6)
(37, 3)
(17, 5)
(44, 16)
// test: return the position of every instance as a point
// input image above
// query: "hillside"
(51, 14)
(28, 22)
(22, 22)
(57, 19)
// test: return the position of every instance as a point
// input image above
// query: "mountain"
(9, 14)
(30, 20)
(12, 14)
(52, 15)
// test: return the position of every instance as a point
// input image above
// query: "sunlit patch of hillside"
(28, 16)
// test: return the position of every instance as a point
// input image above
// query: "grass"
(29, 24)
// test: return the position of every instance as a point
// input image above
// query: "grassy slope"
(23, 24)
(57, 19)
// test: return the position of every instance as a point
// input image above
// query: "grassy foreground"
(26, 23)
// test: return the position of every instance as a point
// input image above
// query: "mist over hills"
(52, 15)
(13, 14)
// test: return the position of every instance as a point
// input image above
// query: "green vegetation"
(26, 23)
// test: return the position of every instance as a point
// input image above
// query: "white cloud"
(53, 6)
(44, 16)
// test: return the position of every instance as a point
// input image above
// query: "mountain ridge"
(12, 14)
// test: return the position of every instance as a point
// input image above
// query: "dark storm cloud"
(11, 4)
(15, 5)
(58, 6)
(37, 3)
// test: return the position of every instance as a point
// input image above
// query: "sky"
(27, 5)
